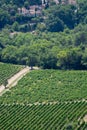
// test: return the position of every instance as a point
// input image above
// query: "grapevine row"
(55, 116)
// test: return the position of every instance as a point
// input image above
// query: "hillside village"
(36, 10)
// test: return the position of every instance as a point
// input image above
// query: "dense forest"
(58, 40)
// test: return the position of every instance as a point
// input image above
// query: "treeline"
(59, 40)
(63, 50)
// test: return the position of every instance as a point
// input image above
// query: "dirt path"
(85, 118)
(2, 87)
(14, 80)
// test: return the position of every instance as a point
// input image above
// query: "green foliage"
(4, 18)
(54, 24)
(41, 27)
(58, 97)
(9, 12)
(60, 16)
(57, 17)
(7, 70)
(44, 116)
(82, 11)
(84, 58)
(26, 4)
(9, 54)
(69, 59)
(64, 50)
(15, 26)
(48, 85)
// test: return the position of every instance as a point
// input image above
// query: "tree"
(4, 18)
(9, 54)
(84, 59)
(26, 4)
(41, 27)
(60, 16)
(32, 60)
(15, 26)
(69, 59)
(49, 61)
(82, 10)
(54, 24)
(35, 2)
(5, 84)
(81, 38)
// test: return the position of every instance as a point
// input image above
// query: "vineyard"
(7, 70)
(60, 116)
(46, 100)
(48, 85)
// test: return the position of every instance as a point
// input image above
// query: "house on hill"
(72, 2)
(34, 10)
